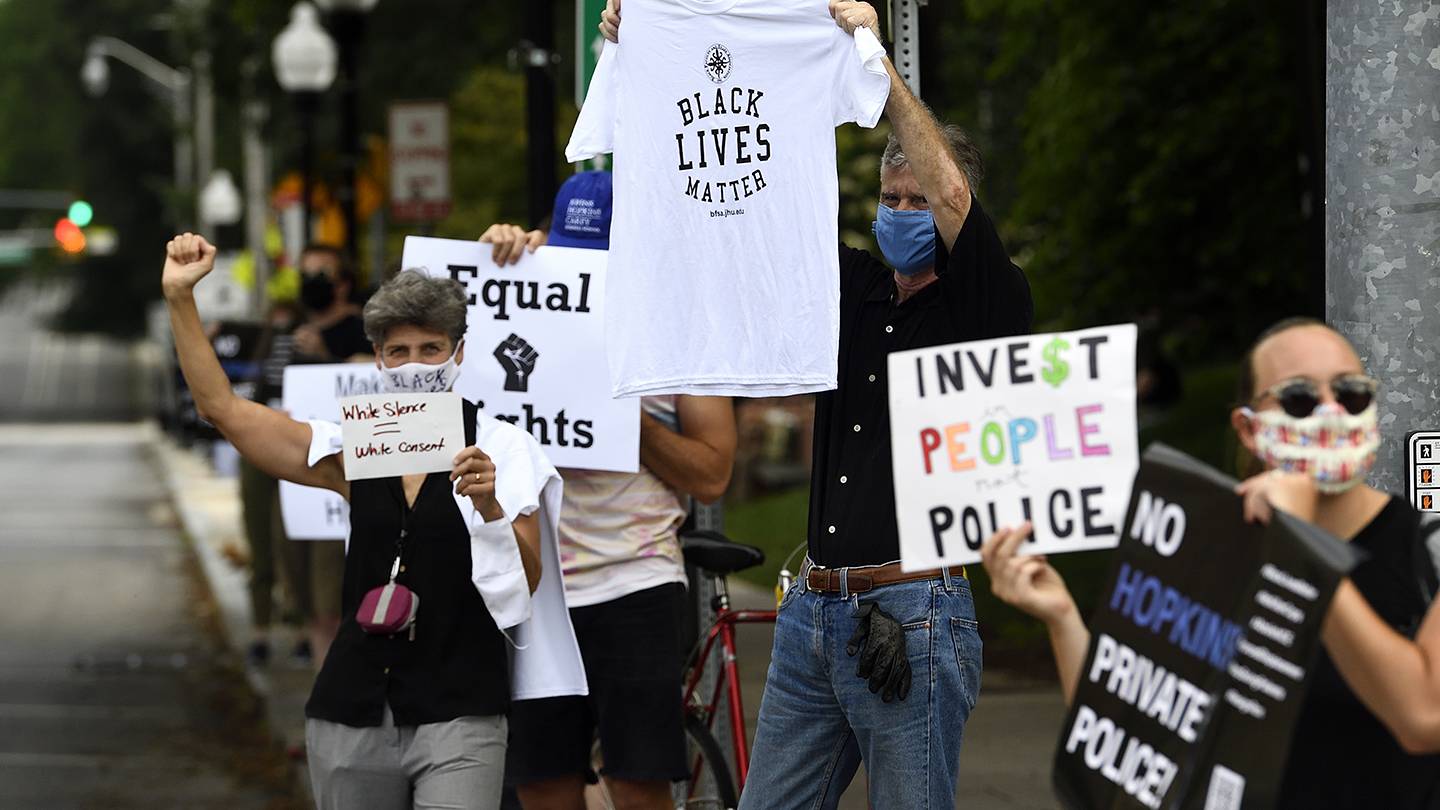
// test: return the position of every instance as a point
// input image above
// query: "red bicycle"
(717, 557)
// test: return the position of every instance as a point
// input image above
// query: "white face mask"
(421, 378)
(1332, 446)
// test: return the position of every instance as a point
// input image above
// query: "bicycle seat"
(718, 554)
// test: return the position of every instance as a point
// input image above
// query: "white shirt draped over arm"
(546, 661)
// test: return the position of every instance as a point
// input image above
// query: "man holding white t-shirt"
(722, 117)
(914, 635)
(624, 575)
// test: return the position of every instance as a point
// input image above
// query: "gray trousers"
(457, 765)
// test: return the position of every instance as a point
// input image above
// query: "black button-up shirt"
(979, 294)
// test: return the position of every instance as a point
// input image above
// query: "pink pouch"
(388, 609)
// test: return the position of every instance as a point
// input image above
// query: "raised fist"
(188, 258)
(518, 359)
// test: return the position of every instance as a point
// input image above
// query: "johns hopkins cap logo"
(717, 63)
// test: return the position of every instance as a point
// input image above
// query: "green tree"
(115, 151)
(1159, 174)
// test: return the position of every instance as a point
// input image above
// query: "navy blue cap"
(582, 212)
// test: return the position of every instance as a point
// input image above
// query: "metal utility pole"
(177, 82)
(536, 54)
(905, 33)
(307, 103)
(204, 131)
(257, 182)
(1382, 207)
(348, 27)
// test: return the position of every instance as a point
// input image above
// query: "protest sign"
(1200, 649)
(387, 435)
(991, 433)
(314, 392)
(535, 348)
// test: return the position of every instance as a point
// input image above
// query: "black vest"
(457, 665)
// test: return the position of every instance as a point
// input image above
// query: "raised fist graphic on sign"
(518, 359)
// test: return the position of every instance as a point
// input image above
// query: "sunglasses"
(1300, 396)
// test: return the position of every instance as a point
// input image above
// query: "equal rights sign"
(385, 428)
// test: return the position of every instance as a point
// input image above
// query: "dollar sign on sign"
(1056, 369)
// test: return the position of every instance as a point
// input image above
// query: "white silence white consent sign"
(314, 392)
(535, 348)
(991, 433)
(386, 435)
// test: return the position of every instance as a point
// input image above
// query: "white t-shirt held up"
(721, 115)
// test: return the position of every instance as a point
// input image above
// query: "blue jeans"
(815, 708)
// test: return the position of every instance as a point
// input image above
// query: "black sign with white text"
(1200, 649)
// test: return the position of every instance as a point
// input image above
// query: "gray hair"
(412, 298)
(966, 154)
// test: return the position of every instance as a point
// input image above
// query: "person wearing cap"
(624, 574)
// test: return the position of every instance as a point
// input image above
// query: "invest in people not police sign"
(991, 433)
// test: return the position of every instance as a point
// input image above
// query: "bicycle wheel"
(712, 758)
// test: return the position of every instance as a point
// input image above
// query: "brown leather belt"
(827, 580)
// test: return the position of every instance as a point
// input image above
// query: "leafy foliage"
(1145, 161)
(1159, 173)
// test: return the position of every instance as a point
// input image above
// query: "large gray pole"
(257, 181)
(204, 134)
(1382, 208)
(905, 33)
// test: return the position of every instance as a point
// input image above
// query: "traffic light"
(69, 236)
(80, 213)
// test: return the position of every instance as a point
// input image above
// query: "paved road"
(50, 377)
(111, 691)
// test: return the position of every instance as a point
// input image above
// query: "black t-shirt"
(456, 666)
(346, 337)
(1341, 756)
(979, 294)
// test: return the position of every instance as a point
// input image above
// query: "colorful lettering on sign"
(1013, 442)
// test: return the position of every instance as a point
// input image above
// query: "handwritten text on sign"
(314, 392)
(995, 432)
(401, 434)
(535, 348)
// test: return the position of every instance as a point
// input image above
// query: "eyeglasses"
(1300, 396)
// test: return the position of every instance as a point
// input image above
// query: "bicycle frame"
(727, 682)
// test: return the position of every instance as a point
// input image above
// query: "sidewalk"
(208, 506)
(1009, 740)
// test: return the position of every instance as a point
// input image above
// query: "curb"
(209, 511)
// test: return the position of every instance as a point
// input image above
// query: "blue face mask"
(907, 238)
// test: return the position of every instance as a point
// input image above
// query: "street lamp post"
(220, 202)
(347, 21)
(536, 55)
(304, 57)
(176, 82)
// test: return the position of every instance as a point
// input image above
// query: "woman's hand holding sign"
(1031, 584)
(474, 477)
(1292, 493)
(1028, 583)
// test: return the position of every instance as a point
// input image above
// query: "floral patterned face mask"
(1332, 446)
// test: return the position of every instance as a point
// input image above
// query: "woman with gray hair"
(404, 713)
